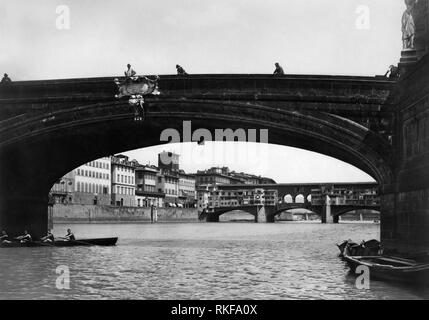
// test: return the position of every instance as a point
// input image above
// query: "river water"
(288, 260)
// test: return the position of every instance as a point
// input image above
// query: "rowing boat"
(391, 268)
(63, 243)
(365, 248)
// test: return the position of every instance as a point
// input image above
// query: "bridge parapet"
(325, 92)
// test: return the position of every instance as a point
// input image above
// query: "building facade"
(215, 176)
(247, 178)
(168, 161)
(218, 197)
(222, 175)
(168, 182)
(63, 190)
(203, 193)
(147, 191)
(87, 184)
(345, 196)
(123, 181)
(187, 192)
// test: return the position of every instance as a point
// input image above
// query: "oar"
(49, 244)
(83, 242)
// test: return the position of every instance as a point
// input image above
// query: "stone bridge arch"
(49, 128)
(214, 216)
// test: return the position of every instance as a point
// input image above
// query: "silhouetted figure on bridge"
(180, 71)
(130, 74)
(6, 79)
(279, 70)
(393, 72)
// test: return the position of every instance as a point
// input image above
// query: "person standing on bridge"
(393, 72)
(129, 74)
(6, 79)
(279, 70)
(180, 71)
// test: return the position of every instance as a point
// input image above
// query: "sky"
(52, 39)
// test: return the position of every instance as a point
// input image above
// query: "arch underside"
(220, 212)
(46, 147)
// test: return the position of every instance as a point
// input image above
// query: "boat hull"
(71, 243)
(391, 268)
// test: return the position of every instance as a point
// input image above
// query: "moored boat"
(391, 268)
(365, 248)
(63, 243)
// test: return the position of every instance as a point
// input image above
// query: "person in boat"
(26, 237)
(6, 79)
(49, 237)
(69, 236)
(4, 238)
(180, 71)
(279, 70)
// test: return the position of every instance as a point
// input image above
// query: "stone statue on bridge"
(408, 26)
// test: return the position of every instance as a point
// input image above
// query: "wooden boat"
(63, 243)
(391, 268)
(365, 248)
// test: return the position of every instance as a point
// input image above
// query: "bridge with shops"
(328, 200)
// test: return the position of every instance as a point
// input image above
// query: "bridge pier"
(261, 215)
(21, 213)
(404, 218)
(211, 217)
(269, 214)
(326, 212)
